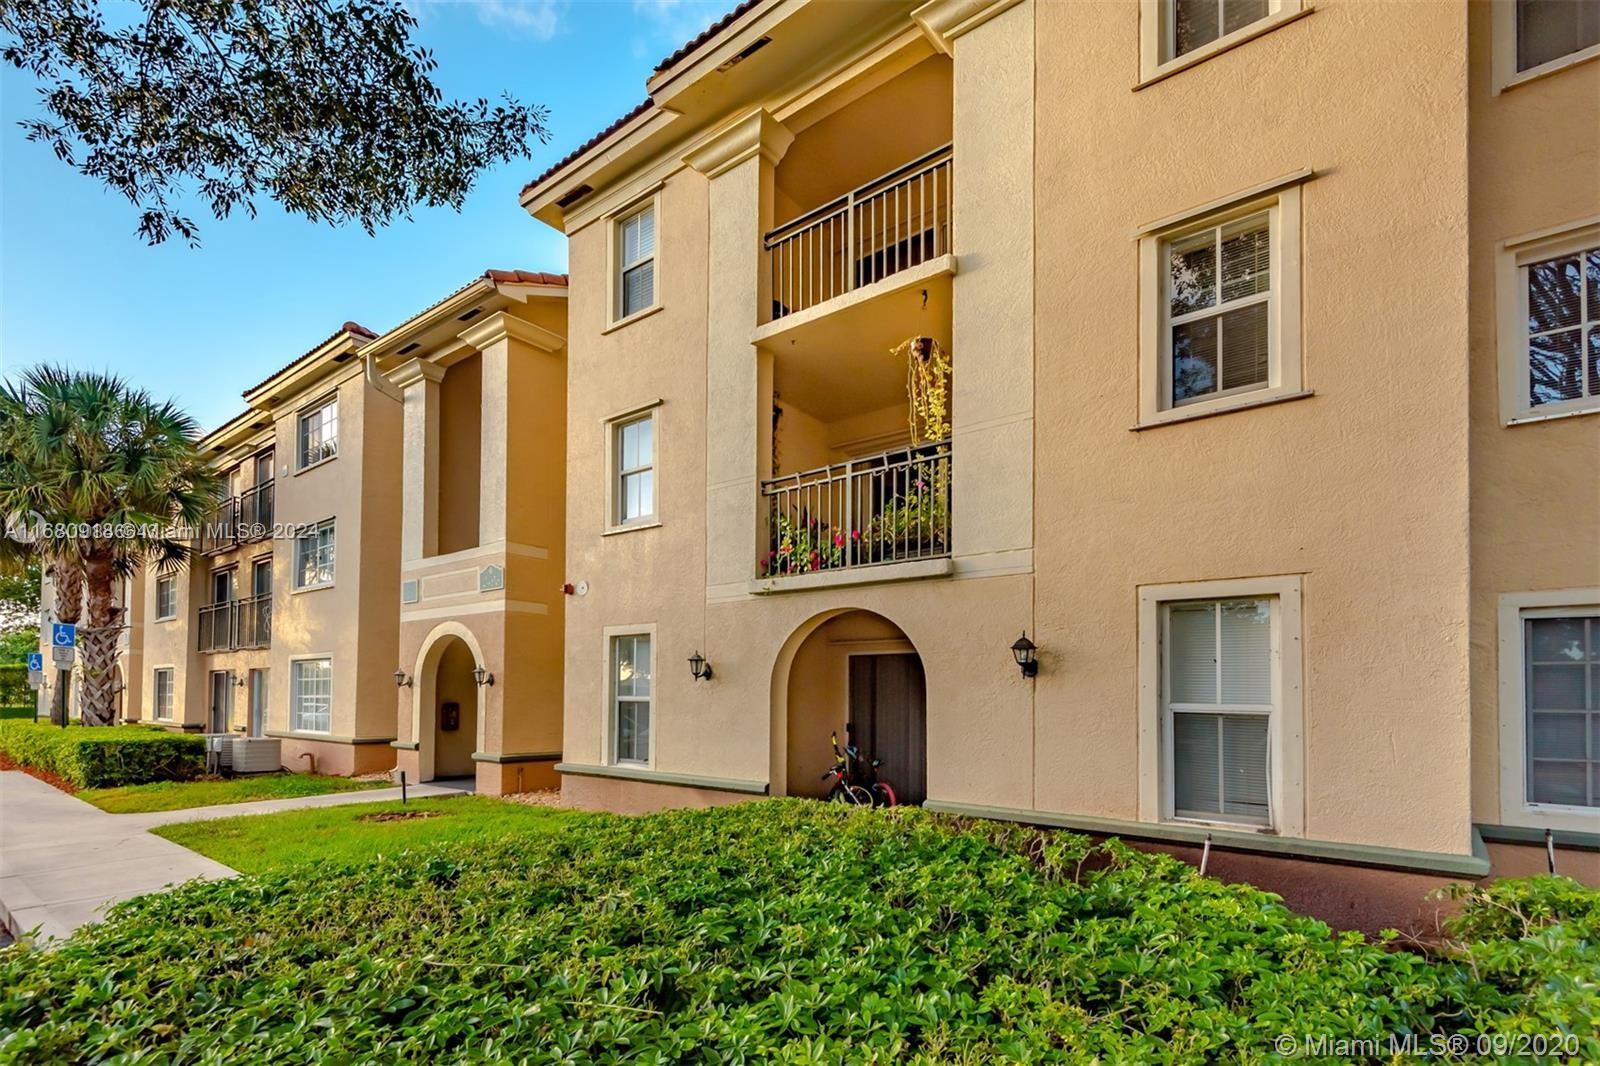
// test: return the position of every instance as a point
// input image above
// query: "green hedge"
(26, 713)
(104, 756)
(781, 931)
(14, 688)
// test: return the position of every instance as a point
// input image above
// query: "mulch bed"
(398, 816)
(8, 763)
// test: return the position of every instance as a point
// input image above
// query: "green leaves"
(96, 757)
(775, 931)
(325, 106)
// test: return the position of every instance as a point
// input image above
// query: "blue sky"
(77, 285)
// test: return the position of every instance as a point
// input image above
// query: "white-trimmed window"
(1548, 287)
(1533, 38)
(311, 696)
(1550, 708)
(633, 484)
(318, 433)
(1177, 33)
(631, 693)
(314, 556)
(166, 598)
(162, 693)
(1220, 709)
(1222, 305)
(636, 262)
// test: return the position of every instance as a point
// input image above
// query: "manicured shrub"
(104, 756)
(779, 930)
(14, 688)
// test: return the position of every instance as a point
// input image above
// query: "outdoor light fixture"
(1027, 655)
(699, 667)
(481, 676)
(401, 680)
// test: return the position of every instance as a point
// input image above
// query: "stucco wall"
(1535, 157)
(1361, 488)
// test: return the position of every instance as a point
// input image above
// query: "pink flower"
(838, 540)
(855, 534)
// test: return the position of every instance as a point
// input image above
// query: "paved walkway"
(63, 861)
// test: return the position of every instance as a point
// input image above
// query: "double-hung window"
(1220, 291)
(636, 262)
(311, 696)
(1219, 701)
(633, 485)
(630, 698)
(162, 697)
(1533, 38)
(314, 556)
(1548, 296)
(1178, 33)
(1562, 668)
(166, 598)
(318, 433)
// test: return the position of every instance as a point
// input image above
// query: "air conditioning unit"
(219, 751)
(257, 755)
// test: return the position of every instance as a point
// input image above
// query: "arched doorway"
(446, 713)
(855, 673)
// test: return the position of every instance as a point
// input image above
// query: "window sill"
(861, 575)
(631, 319)
(168, 618)
(632, 527)
(310, 588)
(1555, 818)
(1529, 417)
(1241, 403)
(1221, 45)
(1544, 70)
(312, 466)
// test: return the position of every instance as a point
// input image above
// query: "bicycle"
(854, 785)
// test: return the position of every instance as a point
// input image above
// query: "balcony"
(236, 625)
(892, 224)
(241, 519)
(871, 511)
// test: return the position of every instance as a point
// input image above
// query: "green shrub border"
(104, 756)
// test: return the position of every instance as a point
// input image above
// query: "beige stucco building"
(1242, 426)
(481, 376)
(284, 623)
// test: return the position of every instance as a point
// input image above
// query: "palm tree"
(123, 477)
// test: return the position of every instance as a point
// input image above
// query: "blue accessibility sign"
(63, 635)
(36, 662)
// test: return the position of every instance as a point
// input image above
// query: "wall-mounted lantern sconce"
(482, 677)
(1027, 655)
(699, 667)
(401, 680)
(238, 681)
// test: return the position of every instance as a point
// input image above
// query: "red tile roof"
(524, 277)
(671, 61)
(355, 329)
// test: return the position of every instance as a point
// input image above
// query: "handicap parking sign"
(64, 635)
(35, 662)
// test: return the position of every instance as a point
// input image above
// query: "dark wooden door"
(888, 710)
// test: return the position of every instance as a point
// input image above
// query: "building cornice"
(499, 326)
(413, 371)
(757, 133)
(945, 20)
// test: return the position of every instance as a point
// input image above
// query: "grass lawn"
(773, 931)
(180, 795)
(268, 843)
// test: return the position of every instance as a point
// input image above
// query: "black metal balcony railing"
(239, 519)
(892, 507)
(881, 228)
(236, 625)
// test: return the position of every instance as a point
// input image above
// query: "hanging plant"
(927, 388)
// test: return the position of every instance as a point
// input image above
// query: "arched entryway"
(446, 713)
(856, 673)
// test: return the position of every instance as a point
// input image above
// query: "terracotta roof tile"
(705, 35)
(355, 329)
(637, 110)
(525, 277)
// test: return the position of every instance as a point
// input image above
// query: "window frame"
(611, 635)
(617, 266)
(155, 693)
(614, 426)
(302, 417)
(296, 585)
(1281, 200)
(1503, 35)
(1515, 608)
(1157, 28)
(1285, 727)
(295, 663)
(1512, 259)
(169, 581)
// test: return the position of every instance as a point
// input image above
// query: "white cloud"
(539, 19)
(675, 21)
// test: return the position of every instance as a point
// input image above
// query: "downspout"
(381, 383)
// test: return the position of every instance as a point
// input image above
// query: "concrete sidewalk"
(63, 861)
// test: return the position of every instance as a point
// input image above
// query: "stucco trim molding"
(405, 745)
(658, 777)
(756, 133)
(414, 370)
(325, 738)
(1474, 865)
(499, 326)
(866, 575)
(515, 757)
(942, 21)
(1568, 839)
